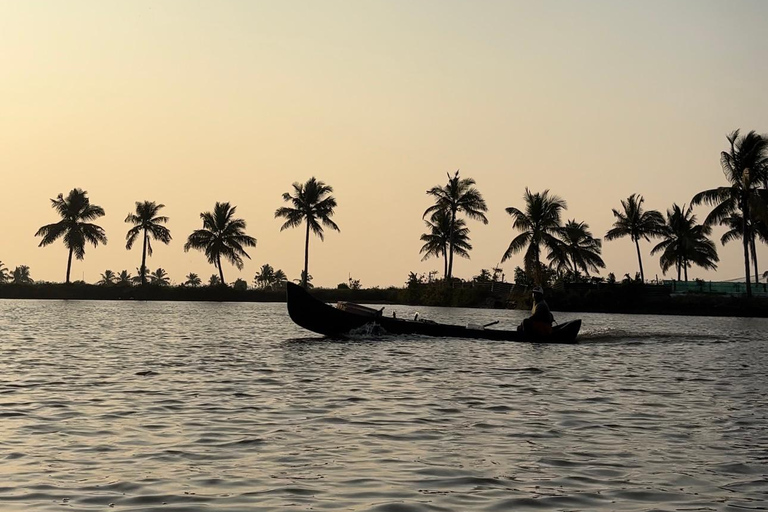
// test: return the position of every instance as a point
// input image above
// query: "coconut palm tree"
(685, 243)
(265, 277)
(757, 227)
(107, 278)
(124, 278)
(4, 275)
(214, 280)
(280, 279)
(148, 223)
(160, 277)
(313, 204)
(193, 280)
(745, 166)
(76, 211)
(306, 280)
(636, 223)
(222, 236)
(21, 275)
(539, 223)
(578, 250)
(438, 240)
(457, 196)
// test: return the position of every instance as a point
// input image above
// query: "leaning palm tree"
(438, 240)
(745, 166)
(222, 236)
(578, 249)
(313, 204)
(457, 196)
(124, 278)
(4, 275)
(685, 243)
(20, 275)
(265, 277)
(636, 223)
(107, 278)
(76, 211)
(193, 280)
(539, 223)
(160, 277)
(148, 223)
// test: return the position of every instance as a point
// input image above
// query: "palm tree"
(636, 224)
(313, 204)
(745, 166)
(221, 236)
(280, 278)
(265, 277)
(193, 280)
(160, 277)
(438, 240)
(540, 225)
(459, 195)
(4, 275)
(147, 223)
(685, 243)
(124, 278)
(306, 280)
(75, 211)
(21, 275)
(757, 227)
(107, 278)
(578, 250)
(214, 280)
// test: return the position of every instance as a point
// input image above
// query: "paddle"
(490, 324)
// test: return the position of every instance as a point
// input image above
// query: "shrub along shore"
(617, 298)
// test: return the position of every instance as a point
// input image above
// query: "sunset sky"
(189, 102)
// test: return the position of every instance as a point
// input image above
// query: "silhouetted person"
(541, 319)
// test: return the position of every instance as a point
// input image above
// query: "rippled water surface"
(228, 406)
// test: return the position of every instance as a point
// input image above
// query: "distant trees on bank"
(551, 248)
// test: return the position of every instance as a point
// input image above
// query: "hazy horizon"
(189, 103)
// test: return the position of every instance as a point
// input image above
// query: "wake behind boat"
(317, 316)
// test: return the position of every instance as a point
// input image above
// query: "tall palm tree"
(265, 277)
(124, 278)
(457, 196)
(4, 275)
(107, 278)
(221, 236)
(21, 275)
(193, 280)
(148, 223)
(685, 243)
(539, 223)
(438, 240)
(313, 204)
(76, 211)
(160, 277)
(757, 227)
(636, 223)
(578, 250)
(745, 166)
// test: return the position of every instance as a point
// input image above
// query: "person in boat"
(541, 319)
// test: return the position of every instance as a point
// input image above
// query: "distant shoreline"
(619, 299)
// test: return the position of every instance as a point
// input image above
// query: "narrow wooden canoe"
(317, 316)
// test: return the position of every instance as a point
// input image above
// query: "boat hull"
(321, 318)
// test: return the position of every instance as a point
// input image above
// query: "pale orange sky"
(187, 103)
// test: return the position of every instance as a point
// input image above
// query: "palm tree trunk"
(69, 264)
(639, 260)
(445, 264)
(450, 244)
(678, 270)
(754, 259)
(685, 269)
(144, 260)
(221, 272)
(745, 239)
(306, 259)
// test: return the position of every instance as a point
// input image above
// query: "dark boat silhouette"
(317, 316)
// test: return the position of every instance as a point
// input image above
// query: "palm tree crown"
(313, 204)
(685, 243)
(265, 277)
(5, 276)
(160, 277)
(107, 278)
(578, 250)
(21, 275)
(637, 224)
(457, 196)
(76, 211)
(148, 223)
(221, 236)
(539, 223)
(193, 280)
(441, 237)
(745, 166)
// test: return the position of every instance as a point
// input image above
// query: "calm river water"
(141, 406)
